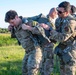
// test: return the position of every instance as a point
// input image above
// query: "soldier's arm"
(11, 29)
(33, 29)
(68, 32)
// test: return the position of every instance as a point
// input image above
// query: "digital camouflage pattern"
(33, 54)
(47, 50)
(46, 45)
(66, 50)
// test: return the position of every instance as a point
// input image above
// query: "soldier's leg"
(70, 68)
(62, 69)
(24, 65)
(43, 60)
(48, 60)
(34, 62)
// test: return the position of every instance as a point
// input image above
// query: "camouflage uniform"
(46, 45)
(66, 50)
(33, 55)
(48, 52)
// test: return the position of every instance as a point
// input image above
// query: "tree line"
(4, 30)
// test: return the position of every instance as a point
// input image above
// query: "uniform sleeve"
(38, 30)
(66, 34)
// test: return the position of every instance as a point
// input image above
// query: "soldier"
(46, 44)
(33, 55)
(47, 48)
(52, 16)
(65, 34)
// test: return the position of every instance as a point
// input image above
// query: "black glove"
(50, 29)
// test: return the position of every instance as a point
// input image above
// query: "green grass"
(11, 60)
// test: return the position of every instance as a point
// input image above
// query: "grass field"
(11, 60)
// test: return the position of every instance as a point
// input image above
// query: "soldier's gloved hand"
(10, 27)
(50, 29)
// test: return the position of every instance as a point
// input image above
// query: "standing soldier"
(65, 34)
(47, 48)
(45, 43)
(33, 57)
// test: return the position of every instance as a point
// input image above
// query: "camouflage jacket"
(41, 34)
(24, 37)
(39, 30)
(65, 30)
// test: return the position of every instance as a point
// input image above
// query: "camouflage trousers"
(47, 64)
(70, 68)
(32, 62)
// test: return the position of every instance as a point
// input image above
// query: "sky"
(27, 8)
